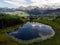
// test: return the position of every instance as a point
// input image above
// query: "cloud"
(33, 2)
(16, 2)
(47, 2)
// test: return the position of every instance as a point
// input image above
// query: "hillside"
(19, 13)
(31, 10)
(34, 10)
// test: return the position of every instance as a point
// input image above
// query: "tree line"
(7, 20)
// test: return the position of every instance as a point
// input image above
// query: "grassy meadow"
(55, 23)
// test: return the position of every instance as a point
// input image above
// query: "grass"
(5, 40)
(19, 13)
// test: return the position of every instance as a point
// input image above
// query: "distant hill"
(7, 9)
(19, 13)
(32, 10)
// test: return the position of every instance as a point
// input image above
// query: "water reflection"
(32, 30)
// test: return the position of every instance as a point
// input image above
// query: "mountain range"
(34, 10)
(6, 9)
(38, 10)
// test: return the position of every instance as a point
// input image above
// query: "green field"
(5, 40)
(19, 13)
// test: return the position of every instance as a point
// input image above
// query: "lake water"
(31, 30)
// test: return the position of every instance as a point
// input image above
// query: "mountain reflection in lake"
(32, 30)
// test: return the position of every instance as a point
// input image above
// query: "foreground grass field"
(5, 40)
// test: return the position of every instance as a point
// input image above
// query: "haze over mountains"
(35, 10)
(6, 9)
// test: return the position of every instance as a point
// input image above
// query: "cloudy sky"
(17, 3)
